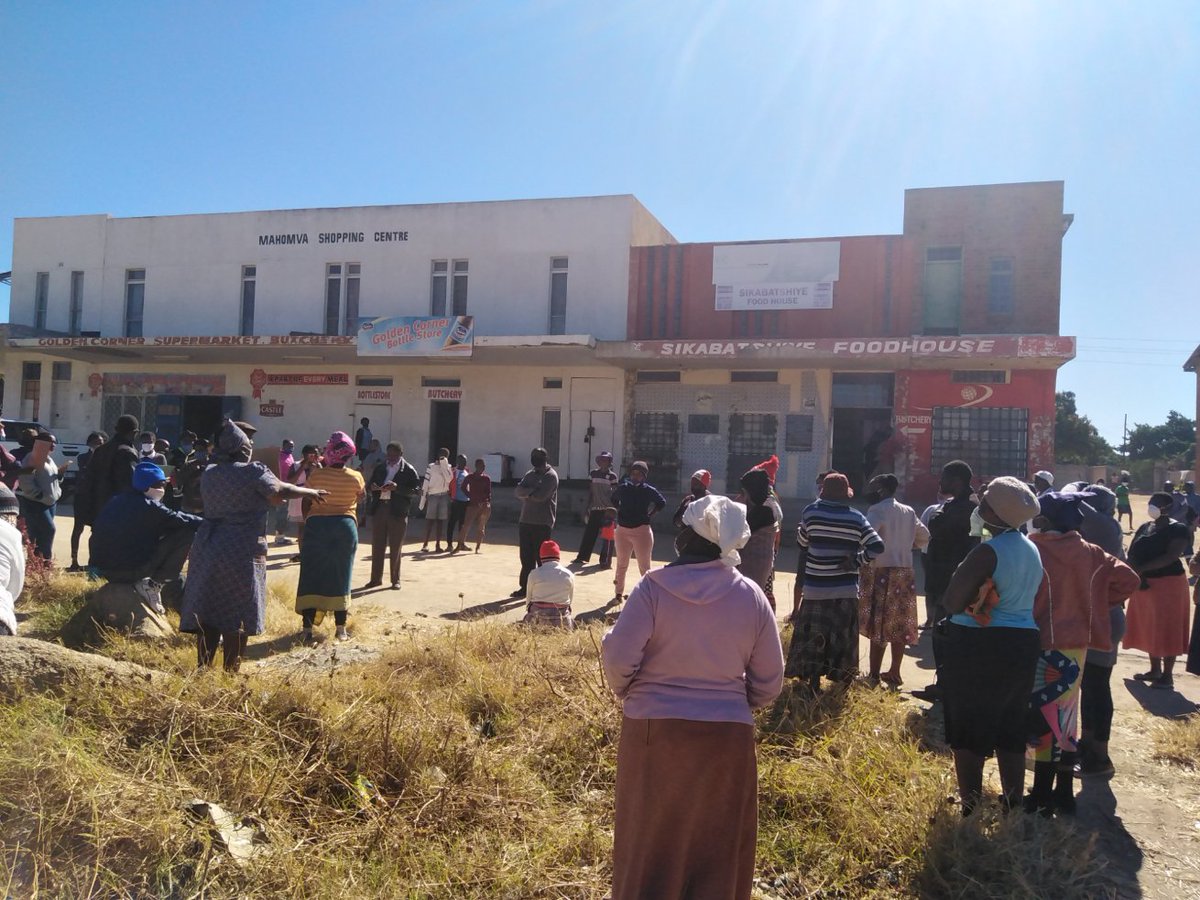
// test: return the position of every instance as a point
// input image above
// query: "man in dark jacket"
(391, 488)
(109, 472)
(137, 540)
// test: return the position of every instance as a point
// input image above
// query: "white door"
(592, 426)
(381, 420)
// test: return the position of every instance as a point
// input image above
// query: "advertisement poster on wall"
(784, 275)
(445, 336)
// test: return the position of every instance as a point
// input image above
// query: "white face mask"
(156, 493)
(147, 449)
(1154, 511)
(977, 523)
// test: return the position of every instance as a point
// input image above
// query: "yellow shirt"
(345, 486)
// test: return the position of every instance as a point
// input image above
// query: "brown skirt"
(1157, 621)
(687, 810)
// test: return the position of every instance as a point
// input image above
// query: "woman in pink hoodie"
(1071, 611)
(696, 649)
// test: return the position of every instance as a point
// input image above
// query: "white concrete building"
(180, 319)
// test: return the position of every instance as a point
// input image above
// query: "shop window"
(249, 276)
(994, 440)
(41, 299)
(655, 440)
(373, 380)
(1000, 287)
(135, 301)
(427, 381)
(704, 423)
(979, 376)
(943, 290)
(61, 371)
(75, 311)
(552, 384)
(863, 390)
(438, 282)
(143, 407)
(458, 288)
(752, 438)
(558, 295)
(798, 432)
(657, 377)
(737, 377)
(31, 390)
(551, 433)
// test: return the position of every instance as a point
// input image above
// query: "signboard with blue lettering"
(446, 336)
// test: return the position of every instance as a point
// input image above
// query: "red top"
(478, 487)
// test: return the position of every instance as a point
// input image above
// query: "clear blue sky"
(728, 120)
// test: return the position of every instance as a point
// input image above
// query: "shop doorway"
(862, 421)
(592, 424)
(380, 415)
(443, 427)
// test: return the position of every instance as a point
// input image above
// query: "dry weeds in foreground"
(477, 761)
(1179, 742)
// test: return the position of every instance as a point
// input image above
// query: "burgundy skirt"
(687, 810)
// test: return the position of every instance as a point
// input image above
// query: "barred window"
(994, 441)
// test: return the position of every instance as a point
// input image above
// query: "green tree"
(1076, 439)
(1173, 442)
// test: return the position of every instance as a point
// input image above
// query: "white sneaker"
(150, 592)
(341, 633)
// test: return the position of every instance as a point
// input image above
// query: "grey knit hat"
(8, 501)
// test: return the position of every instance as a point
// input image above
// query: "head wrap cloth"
(339, 449)
(720, 521)
(232, 443)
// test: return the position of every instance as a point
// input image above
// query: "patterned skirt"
(1054, 704)
(327, 563)
(887, 604)
(824, 639)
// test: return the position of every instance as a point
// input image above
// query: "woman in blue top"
(636, 501)
(988, 649)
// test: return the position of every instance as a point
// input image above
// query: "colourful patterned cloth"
(824, 639)
(1054, 704)
(887, 604)
(327, 563)
(227, 575)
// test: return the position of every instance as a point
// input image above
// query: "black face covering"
(873, 496)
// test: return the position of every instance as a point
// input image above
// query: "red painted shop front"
(1000, 428)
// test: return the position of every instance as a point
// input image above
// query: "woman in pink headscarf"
(330, 540)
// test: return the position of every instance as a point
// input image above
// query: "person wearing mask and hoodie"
(459, 501)
(83, 460)
(147, 445)
(701, 479)
(1082, 583)
(695, 651)
(137, 540)
(110, 470)
(39, 488)
(12, 561)
(637, 502)
(1157, 621)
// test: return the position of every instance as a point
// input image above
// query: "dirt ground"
(1147, 816)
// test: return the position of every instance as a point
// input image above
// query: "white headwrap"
(720, 520)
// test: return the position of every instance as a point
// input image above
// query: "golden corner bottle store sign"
(447, 336)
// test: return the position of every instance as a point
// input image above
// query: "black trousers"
(1096, 701)
(308, 616)
(531, 538)
(591, 531)
(458, 515)
(164, 564)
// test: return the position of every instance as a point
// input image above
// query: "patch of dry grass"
(1179, 742)
(473, 761)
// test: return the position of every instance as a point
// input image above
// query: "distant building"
(1193, 365)
(590, 328)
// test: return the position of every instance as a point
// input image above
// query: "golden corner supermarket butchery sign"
(192, 340)
(452, 336)
(999, 346)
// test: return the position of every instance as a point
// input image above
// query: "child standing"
(608, 538)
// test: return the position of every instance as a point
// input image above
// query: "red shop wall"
(919, 391)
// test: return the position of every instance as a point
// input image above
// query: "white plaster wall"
(193, 264)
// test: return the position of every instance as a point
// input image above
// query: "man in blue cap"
(137, 540)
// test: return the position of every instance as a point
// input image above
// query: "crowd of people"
(1029, 590)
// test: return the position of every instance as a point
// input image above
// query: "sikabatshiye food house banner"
(417, 336)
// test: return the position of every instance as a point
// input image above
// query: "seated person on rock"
(137, 540)
(551, 590)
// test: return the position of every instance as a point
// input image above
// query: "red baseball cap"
(549, 550)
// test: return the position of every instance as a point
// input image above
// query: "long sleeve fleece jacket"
(697, 642)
